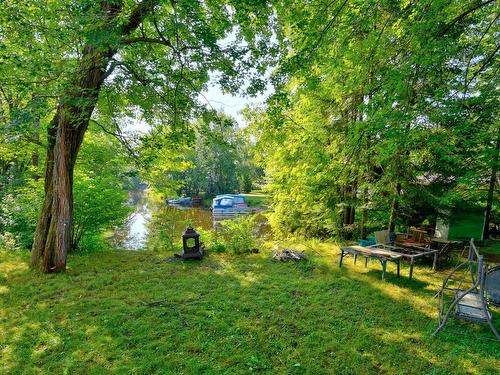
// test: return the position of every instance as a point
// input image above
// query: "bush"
(19, 210)
(237, 236)
(240, 235)
(212, 240)
(93, 242)
(8, 242)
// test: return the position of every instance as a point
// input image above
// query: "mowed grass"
(256, 199)
(229, 315)
(490, 247)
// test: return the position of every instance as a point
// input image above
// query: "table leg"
(398, 262)
(384, 267)
(341, 257)
(366, 262)
(411, 267)
(355, 258)
(434, 263)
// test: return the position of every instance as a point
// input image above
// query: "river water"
(150, 223)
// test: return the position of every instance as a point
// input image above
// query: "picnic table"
(368, 252)
(443, 247)
(385, 253)
(412, 252)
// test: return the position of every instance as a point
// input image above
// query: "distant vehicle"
(229, 205)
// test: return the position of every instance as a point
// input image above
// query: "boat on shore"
(226, 206)
(186, 201)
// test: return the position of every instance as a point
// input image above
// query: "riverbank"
(133, 312)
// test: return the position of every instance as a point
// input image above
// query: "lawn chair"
(471, 285)
(382, 237)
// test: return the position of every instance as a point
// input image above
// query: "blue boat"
(226, 206)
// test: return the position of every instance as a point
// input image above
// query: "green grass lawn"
(256, 199)
(490, 247)
(229, 315)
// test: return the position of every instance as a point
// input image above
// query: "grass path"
(228, 315)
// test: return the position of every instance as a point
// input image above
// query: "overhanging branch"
(119, 136)
(462, 15)
(162, 41)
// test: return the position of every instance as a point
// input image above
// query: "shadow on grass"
(226, 315)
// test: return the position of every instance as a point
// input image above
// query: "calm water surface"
(148, 219)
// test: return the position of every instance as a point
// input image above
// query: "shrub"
(8, 242)
(212, 240)
(240, 235)
(237, 236)
(19, 210)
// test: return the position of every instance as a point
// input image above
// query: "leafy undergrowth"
(229, 314)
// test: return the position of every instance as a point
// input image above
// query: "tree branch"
(163, 41)
(328, 25)
(486, 62)
(119, 137)
(138, 15)
(462, 15)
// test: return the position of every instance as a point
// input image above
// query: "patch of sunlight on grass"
(245, 277)
(91, 331)
(48, 341)
(4, 289)
(7, 267)
(7, 357)
(416, 343)
(402, 294)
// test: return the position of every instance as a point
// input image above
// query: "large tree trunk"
(491, 190)
(364, 214)
(65, 135)
(394, 208)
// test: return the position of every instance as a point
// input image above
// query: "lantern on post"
(191, 248)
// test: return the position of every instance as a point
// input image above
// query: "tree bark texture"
(491, 189)
(53, 235)
(394, 208)
(65, 135)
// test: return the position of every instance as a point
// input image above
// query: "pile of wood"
(288, 254)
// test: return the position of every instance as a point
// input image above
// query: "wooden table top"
(374, 251)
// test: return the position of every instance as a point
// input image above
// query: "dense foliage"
(100, 182)
(386, 113)
(220, 161)
(67, 64)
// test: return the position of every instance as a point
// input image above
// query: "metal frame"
(492, 300)
(412, 252)
(476, 292)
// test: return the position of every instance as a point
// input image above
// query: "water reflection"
(169, 222)
(134, 233)
(157, 225)
(137, 224)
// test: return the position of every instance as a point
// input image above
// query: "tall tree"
(114, 55)
(397, 105)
